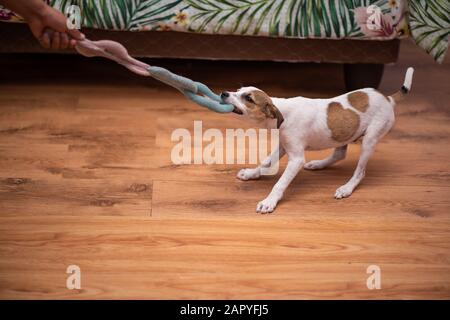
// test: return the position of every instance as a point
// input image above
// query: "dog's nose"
(224, 94)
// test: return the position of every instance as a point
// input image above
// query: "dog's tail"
(400, 94)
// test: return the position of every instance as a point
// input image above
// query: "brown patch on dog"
(343, 123)
(262, 107)
(359, 100)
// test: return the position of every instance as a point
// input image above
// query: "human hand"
(50, 29)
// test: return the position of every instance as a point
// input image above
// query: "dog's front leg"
(295, 163)
(255, 173)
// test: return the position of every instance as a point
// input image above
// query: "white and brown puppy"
(314, 124)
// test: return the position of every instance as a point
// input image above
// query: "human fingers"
(76, 34)
(72, 43)
(44, 40)
(55, 40)
(63, 41)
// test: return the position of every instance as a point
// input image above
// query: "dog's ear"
(272, 112)
(269, 110)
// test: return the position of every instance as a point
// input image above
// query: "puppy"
(315, 124)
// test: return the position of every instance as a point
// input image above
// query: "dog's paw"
(248, 174)
(266, 206)
(343, 192)
(314, 165)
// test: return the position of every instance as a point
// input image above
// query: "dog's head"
(254, 104)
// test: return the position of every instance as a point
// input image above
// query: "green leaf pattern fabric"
(336, 19)
(430, 25)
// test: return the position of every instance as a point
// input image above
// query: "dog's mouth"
(237, 110)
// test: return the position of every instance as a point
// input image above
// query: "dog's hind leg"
(255, 173)
(371, 138)
(338, 154)
(367, 148)
(373, 134)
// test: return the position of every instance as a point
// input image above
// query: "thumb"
(76, 34)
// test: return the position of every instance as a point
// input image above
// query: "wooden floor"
(86, 179)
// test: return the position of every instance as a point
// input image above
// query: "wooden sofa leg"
(362, 75)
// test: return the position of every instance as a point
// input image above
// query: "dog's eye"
(248, 98)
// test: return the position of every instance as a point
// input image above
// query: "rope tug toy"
(195, 91)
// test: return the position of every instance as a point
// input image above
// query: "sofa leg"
(362, 75)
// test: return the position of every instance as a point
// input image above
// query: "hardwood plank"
(74, 193)
(252, 258)
(172, 198)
